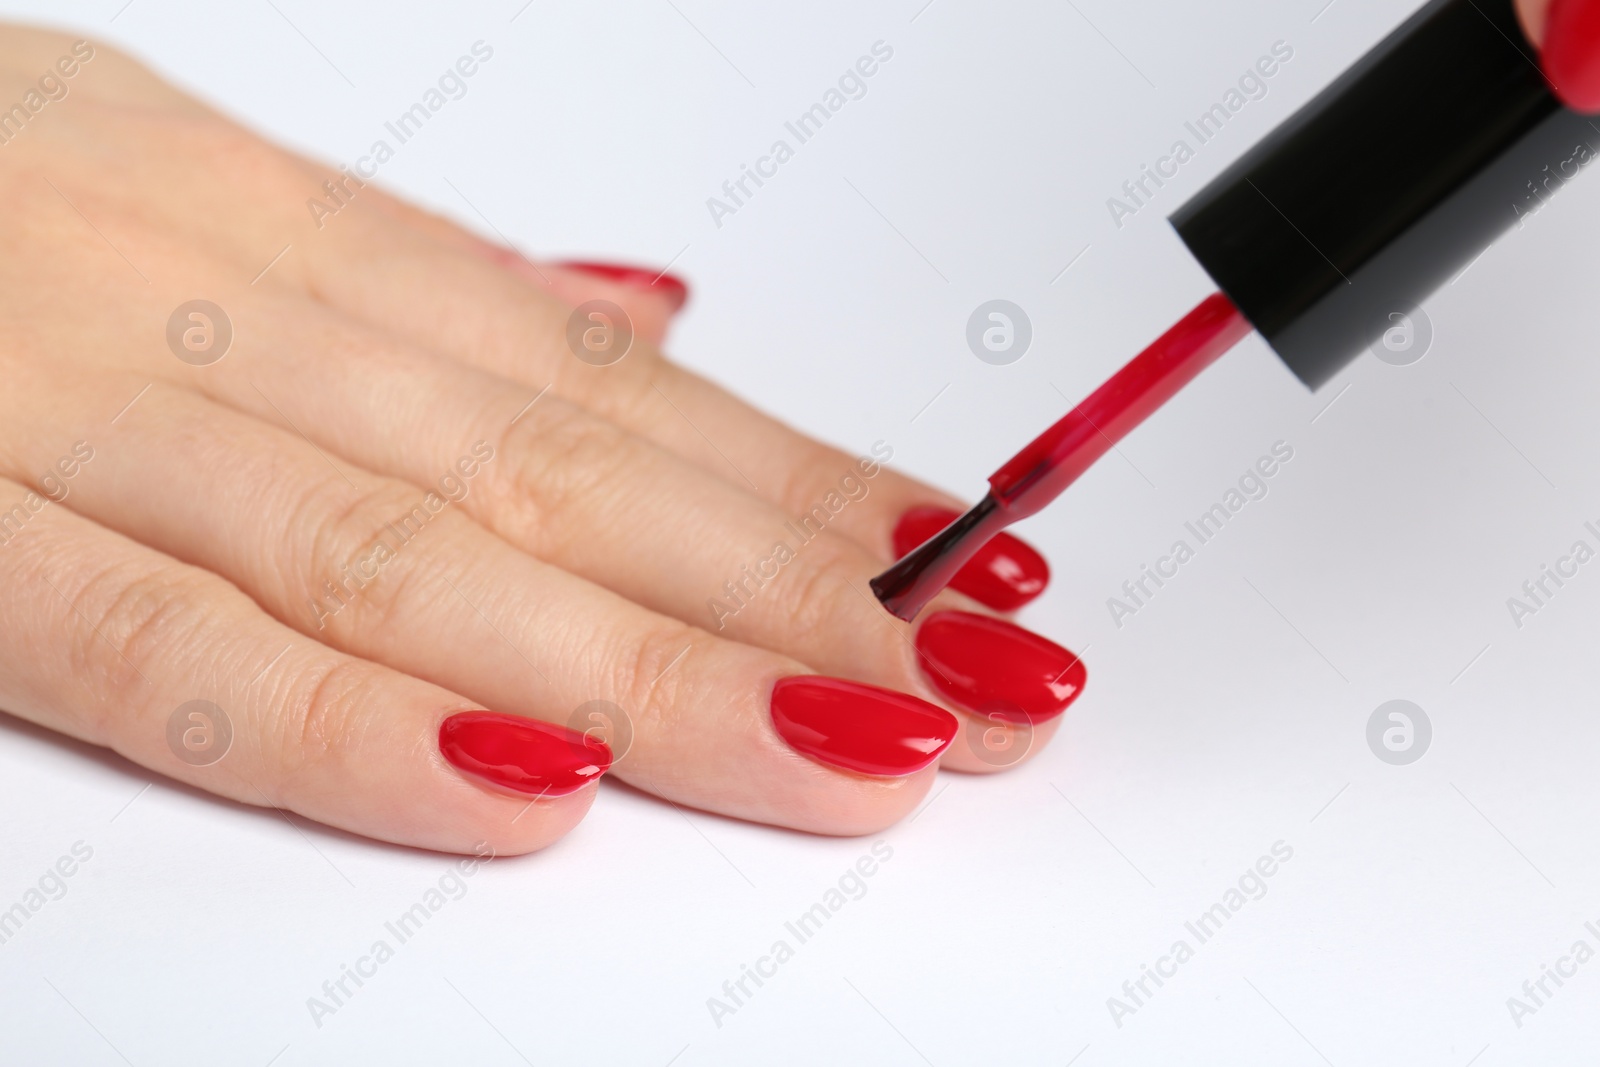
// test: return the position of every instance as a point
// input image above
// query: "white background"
(1228, 715)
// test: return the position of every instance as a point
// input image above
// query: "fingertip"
(520, 755)
(526, 783)
(990, 744)
(994, 668)
(669, 287)
(507, 825)
(864, 729)
(841, 803)
(1004, 575)
(650, 299)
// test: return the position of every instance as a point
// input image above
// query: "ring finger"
(578, 492)
(383, 570)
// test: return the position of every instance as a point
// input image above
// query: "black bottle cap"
(1387, 184)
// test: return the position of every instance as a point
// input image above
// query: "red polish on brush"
(1004, 574)
(1321, 237)
(1041, 471)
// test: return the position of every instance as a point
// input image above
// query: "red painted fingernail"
(1005, 574)
(521, 754)
(993, 667)
(668, 285)
(859, 727)
(1571, 53)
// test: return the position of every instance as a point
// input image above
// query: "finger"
(650, 396)
(384, 570)
(799, 474)
(580, 493)
(404, 272)
(668, 287)
(113, 643)
(649, 298)
(281, 212)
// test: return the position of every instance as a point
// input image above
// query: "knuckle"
(334, 538)
(816, 471)
(650, 675)
(627, 392)
(558, 465)
(813, 593)
(320, 721)
(132, 613)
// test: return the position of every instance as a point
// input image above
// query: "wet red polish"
(668, 285)
(993, 667)
(1571, 53)
(861, 728)
(1004, 574)
(522, 754)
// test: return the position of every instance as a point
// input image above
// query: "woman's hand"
(289, 493)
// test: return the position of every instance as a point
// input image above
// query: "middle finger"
(585, 495)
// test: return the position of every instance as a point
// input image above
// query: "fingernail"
(521, 754)
(668, 285)
(1004, 575)
(1571, 53)
(993, 667)
(861, 728)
